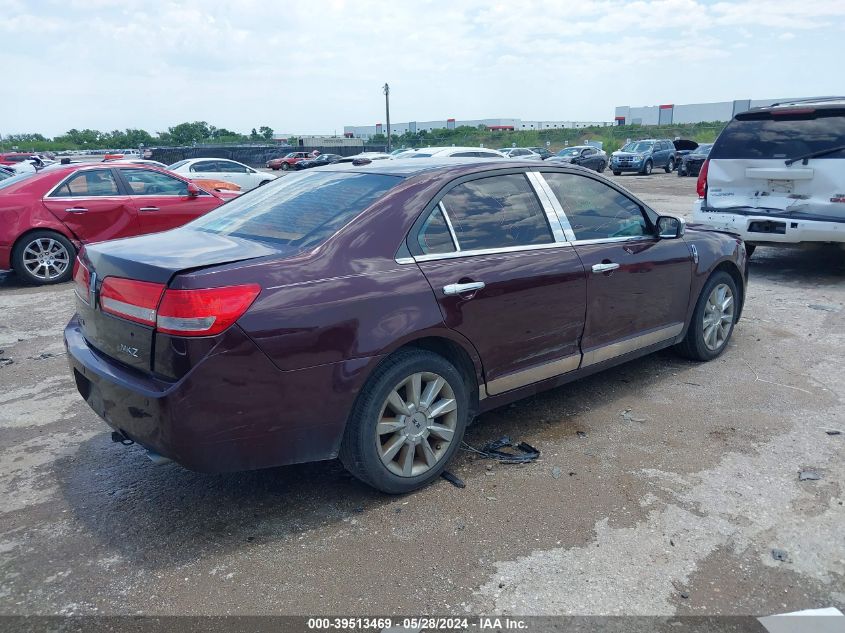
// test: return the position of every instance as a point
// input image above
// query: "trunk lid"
(149, 258)
(751, 171)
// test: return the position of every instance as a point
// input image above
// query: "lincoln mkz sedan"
(370, 312)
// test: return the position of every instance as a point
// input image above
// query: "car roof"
(410, 167)
(818, 103)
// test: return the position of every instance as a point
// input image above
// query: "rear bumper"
(771, 229)
(233, 411)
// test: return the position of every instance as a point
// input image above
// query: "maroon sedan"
(46, 217)
(370, 312)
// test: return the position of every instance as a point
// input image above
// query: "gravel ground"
(674, 508)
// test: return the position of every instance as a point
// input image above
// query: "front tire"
(712, 320)
(285, 167)
(617, 173)
(670, 166)
(43, 257)
(647, 168)
(682, 171)
(407, 422)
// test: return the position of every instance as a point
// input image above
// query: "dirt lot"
(674, 507)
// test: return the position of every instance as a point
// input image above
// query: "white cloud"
(315, 66)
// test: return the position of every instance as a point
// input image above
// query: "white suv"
(776, 175)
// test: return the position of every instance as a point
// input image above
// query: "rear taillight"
(81, 279)
(701, 185)
(130, 299)
(203, 311)
(198, 312)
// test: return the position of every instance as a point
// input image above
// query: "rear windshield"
(302, 209)
(781, 137)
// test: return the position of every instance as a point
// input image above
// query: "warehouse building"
(669, 113)
(414, 127)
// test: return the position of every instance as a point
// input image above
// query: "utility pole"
(387, 113)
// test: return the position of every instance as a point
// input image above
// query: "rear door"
(505, 278)
(748, 171)
(93, 205)
(638, 285)
(162, 201)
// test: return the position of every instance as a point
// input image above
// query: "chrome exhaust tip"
(158, 460)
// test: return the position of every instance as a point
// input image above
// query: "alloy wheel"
(718, 317)
(417, 424)
(45, 258)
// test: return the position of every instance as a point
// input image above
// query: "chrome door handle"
(148, 209)
(459, 289)
(604, 268)
(76, 210)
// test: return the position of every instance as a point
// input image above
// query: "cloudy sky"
(313, 66)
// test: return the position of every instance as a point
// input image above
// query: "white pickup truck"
(776, 175)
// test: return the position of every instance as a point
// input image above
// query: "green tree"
(266, 133)
(188, 133)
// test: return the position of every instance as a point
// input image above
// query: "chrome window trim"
(543, 194)
(446, 217)
(619, 348)
(534, 374)
(614, 240)
(476, 253)
(557, 208)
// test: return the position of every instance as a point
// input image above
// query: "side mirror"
(670, 227)
(193, 190)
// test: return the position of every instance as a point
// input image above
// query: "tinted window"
(434, 235)
(205, 166)
(302, 209)
(487, 155)
(231, 167)
(596, 211)
(781, 137)
(152, 183)
(88, 184)
(465, 155)
(496, 212)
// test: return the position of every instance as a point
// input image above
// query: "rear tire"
(602, 166)
(43, 258)
(713, 319)
(398, 452)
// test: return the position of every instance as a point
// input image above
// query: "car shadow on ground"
(794, 265)
(163, 516)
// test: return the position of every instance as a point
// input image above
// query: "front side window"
(496, 212)
(303, 209)
(595, 210)
(143, 182)
(100, 182)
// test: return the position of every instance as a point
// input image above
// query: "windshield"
(420, 155)
(638, 147)
(303, 209)
(572, 151)
(703, 150)
(765, 137)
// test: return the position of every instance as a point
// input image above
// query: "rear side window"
(100, 182)
(302, 209)
(434, 236)
(596, 211)
(496, 212)
(781, 137)
(205, 166)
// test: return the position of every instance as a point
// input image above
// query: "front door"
(92, 206)
(162, 201)
(505, 279)
(638, 285)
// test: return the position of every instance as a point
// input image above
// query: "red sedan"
(46, 217)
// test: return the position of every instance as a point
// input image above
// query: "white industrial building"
(366, 131)
(669, 113)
